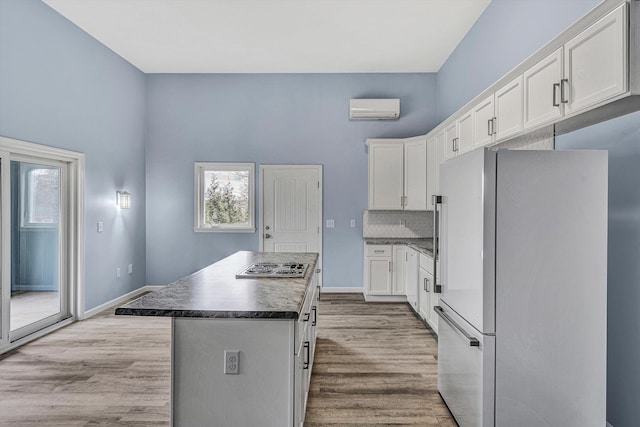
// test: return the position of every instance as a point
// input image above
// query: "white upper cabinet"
(458, 135)
(593, 66)
(588, 70)
(435, 157)
(595, 63)
(483, 122)
(451, 140)
(415, 174)
(398, 174)
(542, 91)
(465, 133)
(509, 110)
(386, 175)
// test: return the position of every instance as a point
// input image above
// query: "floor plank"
(376, 365)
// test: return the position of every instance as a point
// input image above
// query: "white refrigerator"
(523, 321)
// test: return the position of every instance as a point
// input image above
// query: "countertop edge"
(199, 314)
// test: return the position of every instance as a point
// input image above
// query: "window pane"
(226, 197)
(43, 195)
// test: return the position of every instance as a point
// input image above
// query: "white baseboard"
(341, 290)
(119, 300)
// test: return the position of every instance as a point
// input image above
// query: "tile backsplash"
(397, 224)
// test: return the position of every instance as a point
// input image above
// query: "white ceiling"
(277, 36)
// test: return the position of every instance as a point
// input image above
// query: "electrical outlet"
(331, 223)
(231, 362)
(353, 223)
(100, 226)
(130, 268)
(402, 223)
(117, 271)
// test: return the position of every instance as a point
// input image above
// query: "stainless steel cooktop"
(273, 270)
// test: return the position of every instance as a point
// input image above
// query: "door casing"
(12, 149)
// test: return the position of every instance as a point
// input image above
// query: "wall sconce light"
(123, 199)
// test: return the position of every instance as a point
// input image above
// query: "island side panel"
(261, 395)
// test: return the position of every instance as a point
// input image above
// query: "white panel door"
(415, 174)
(386, 175)
(465, 133)
(379, 275)
(595, 63)
(450, 140)
(399, 287)
(292, 208)
(423, 293)
(483, 114)
(542, 91)
(509, 110)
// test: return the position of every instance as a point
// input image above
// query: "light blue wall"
(276, 118)
(507, 33)
(621, 137)
(62, 88)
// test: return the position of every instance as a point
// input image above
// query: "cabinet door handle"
(406, 201)
(556, 86)
(306, 354)
(564, 83)
(306, 317)
(315, 316)
(490, 127)
(493, 126)
(402, 201)
(426, 285)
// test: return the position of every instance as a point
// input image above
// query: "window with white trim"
(224, 197)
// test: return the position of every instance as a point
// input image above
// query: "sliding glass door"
(37, 286)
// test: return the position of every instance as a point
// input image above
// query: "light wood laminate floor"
(375, 366)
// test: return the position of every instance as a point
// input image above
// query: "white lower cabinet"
(305, 346)
(378, 269)
(427, 291)
(411, 277)
(391, 271)
(399, 283)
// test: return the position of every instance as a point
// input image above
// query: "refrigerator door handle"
(437, 200)
(473, 342)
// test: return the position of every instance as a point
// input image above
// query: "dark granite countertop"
(421, 245)
(214, 291)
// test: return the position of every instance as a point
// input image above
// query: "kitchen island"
(270, 322)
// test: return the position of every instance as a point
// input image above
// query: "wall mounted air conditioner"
(374, 109)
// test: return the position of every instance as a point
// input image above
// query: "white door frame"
(75, 231)
(261, 206)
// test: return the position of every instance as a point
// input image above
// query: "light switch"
(331, 223)
(100, 226)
